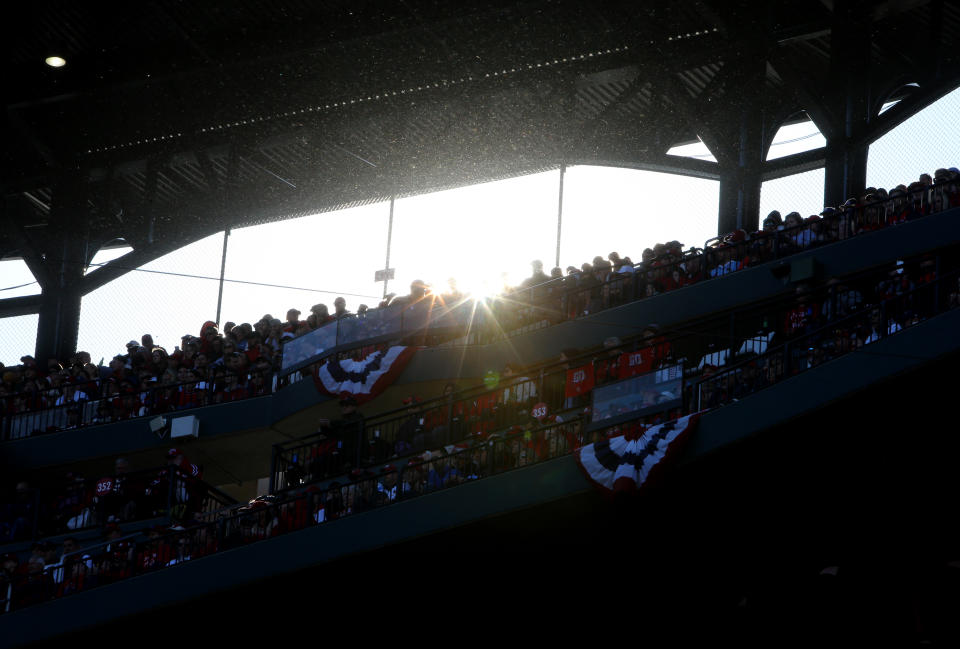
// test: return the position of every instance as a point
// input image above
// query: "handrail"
(150, 401)
(91, 502)
(797, 354)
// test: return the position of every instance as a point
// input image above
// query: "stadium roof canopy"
(172, 120)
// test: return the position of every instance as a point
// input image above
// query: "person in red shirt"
(803, 317)
(155, 553)
(607, 367)
(208, 332)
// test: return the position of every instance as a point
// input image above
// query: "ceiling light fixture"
(55, 61)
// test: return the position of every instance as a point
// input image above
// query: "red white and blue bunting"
(628, 462)
(366, 378)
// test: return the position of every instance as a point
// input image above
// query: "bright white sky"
(476, 234)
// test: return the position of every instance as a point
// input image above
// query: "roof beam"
(17, 306)
(808, 88)
(794, 164)
(908, 107)
(662, 163)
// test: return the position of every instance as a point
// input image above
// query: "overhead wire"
(171, 273)
(10, 288)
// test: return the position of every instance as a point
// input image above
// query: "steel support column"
(741, 170)
(846, 154)
(59, 321)
(65, 256)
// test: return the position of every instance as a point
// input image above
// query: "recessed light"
(55, 61)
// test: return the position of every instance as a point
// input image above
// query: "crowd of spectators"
(817, 323)
(215, 367)
(518, 417)
(242, 361)
(612, 280)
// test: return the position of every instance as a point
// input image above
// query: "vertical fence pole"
(563, 171)
(386, 266)
(223, 266)
(171, 476)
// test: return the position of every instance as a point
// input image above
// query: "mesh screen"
(142, 301)
(798, 193)
(928, 140)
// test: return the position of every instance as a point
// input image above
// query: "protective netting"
(319, 257)
(928, 140)
(798, 193)
(626, 210)
(18, 336)
(150, 300)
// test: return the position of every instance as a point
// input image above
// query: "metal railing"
(75, 406)
(705, 345)
(89, 503)
(832, 339)
(475, 459)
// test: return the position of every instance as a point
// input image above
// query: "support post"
(223, 267)
(386, 265)
(563, 171)
(741, 175)
(846, 157)
(64, 256)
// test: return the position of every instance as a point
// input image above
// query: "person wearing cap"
(132, 347)
(340, 308)
(387, 487)
(321, 314)
(418, 290)
(537, 278)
